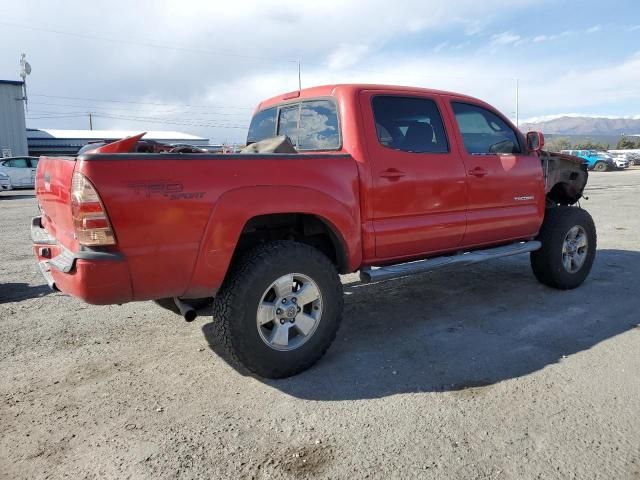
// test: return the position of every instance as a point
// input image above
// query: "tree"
(592, 146)
(557, 144)
(626, 143)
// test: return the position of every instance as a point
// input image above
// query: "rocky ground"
(474, 373)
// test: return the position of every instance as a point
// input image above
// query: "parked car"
(21, 170)
(621, 160)
(5, 182)
(595, 161)
(634, 158)
(396, 181)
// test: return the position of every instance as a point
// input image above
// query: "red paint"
(177, 220)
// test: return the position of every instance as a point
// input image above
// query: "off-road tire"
(547, 262)
(235, 307)
(600, 167)
(197, 303)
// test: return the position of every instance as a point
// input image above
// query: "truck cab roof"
(348, 89)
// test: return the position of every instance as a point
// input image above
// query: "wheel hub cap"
(289, 312)
(574, 249)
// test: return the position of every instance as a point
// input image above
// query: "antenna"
(517, 104)
(25, 69)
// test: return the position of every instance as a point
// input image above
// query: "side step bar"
(374, 274)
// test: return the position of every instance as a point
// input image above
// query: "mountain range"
(577, 125)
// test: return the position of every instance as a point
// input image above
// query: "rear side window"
(17, 163)
(311, 125)
(483, 132)
(409, 124)
(263, 125)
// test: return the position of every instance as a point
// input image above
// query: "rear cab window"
(483, 132)
(311, 125)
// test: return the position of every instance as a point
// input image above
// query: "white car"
(621, 160)
(5, 182)
(21, 170)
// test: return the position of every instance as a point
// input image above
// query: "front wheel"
(568, 237)
(279, 309)
(600, 167)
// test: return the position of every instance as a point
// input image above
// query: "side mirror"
(535, 141)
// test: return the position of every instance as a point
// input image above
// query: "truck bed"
(172, 238)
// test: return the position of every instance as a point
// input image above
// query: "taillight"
(89, 216)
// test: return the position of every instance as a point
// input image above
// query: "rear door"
(419, 194)
(504, 181)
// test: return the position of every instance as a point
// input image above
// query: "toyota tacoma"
(388, 181)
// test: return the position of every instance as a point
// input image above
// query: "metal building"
(13, 130)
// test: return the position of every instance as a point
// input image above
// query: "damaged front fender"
(565, 177)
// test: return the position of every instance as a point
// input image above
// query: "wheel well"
(303, 228)
(563, 193)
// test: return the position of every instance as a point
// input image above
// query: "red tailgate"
(53, 191)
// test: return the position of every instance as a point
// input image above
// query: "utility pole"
(25, 69)
(299, 76)
(90, 121)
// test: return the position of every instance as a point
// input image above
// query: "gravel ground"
(472, 373)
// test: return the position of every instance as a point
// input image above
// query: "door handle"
(392, 173)
(478, 172)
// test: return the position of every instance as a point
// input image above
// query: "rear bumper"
(96, 277)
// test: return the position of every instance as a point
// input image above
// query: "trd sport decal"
(166, 188)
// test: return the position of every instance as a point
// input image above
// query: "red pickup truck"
(390, 181)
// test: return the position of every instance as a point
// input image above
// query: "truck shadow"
(16, 292)
(465, 330)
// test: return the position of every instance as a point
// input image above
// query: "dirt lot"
(474, 373)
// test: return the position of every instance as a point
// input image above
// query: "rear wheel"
(568, 237)
(600, 167)
(279, 309)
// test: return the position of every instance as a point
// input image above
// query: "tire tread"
(228, 303)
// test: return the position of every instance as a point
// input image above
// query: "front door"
(419, 199)
(505, 184)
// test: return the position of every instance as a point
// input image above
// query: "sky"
(201, 67)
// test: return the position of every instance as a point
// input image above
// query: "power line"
(140, 103)
(297, 62)
(151, 120)
(121, 109)
(190, 120)
(148, 45)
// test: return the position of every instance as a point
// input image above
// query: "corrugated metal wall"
(13, 130)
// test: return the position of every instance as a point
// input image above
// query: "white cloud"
(347, 55)
(504, 38)
(349, 37)
(594, 29)
(438, 48)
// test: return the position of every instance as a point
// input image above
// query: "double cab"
(386, 180)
